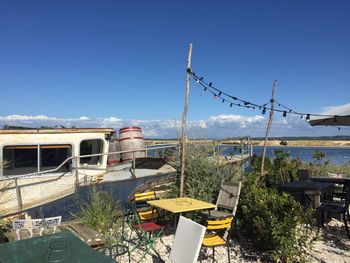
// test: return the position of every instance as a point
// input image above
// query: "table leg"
(317, 200)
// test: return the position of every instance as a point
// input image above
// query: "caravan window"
(53, 155)
(91, 147)
(20, 160)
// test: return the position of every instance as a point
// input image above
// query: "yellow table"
(181, 205)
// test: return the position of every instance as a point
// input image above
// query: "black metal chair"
(304, 175)
(337, 208)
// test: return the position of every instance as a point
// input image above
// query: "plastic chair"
(145, 211)
(188, 241)
(227, 200)
(147, 233)
(218, 235)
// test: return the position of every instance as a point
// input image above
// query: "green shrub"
(275, 223)
(279, 169)
(327, 167)
(204, 174)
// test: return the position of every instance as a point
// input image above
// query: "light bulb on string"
(223, 100)
(284, 114)
(263, 111)
(231, 105)
(210, 84)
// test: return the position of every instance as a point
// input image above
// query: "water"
(333, 154)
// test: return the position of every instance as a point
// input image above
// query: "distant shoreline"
(275, 143)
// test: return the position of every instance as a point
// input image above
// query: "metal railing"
(75, 158)
(74, 170)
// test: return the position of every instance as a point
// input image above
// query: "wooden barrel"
(130, 138)
(113, 147)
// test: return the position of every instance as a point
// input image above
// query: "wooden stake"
(183, 152)
(268, 127)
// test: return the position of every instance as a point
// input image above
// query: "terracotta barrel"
(130, 138)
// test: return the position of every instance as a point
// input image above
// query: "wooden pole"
(183, 144)
(268, 127)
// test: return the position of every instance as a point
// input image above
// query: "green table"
(63, 247)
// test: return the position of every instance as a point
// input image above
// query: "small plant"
(100, 212)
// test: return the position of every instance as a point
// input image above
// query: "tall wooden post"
(183, 144)
(268, 127)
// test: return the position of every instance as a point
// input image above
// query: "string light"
(244, 103)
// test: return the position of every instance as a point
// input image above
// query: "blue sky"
(117, 63)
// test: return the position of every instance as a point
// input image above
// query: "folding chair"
(227, 200)
(147, 233)
(218, 235)
(188, 241)
(145, 211)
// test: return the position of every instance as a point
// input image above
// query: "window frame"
(38, 166)
(100, 163)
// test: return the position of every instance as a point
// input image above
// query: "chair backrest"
(145, 196)
(303, 175)
(188, 241)
(219, 224)
(229, 196)
(30, 224)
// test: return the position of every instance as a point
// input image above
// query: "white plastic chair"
(187, 242)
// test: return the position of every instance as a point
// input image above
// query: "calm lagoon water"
(333, 154)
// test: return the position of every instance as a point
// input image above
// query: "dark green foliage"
(275, 222)
(318, 155)
(283, 142)
(280, 169)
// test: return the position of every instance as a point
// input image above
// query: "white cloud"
(202, 124)
(25, 118)
(220, 126)
(337, 110)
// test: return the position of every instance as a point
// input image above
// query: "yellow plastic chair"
(218, 235)
(144, 210)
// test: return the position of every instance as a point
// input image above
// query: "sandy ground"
(333, 247)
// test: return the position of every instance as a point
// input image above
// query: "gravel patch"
(333, 247)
